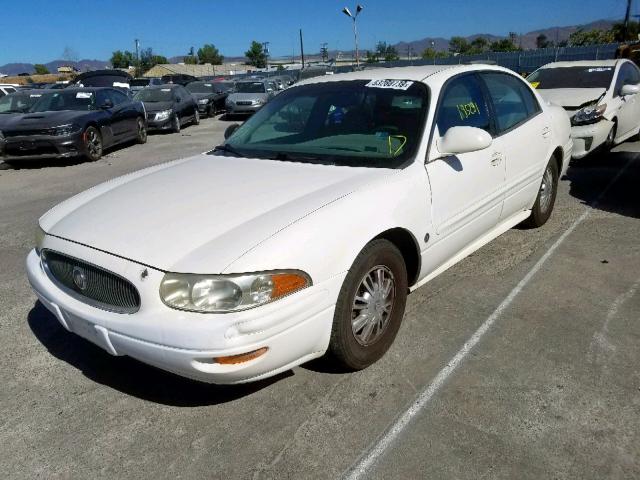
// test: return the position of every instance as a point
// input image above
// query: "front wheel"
(92, 144)
(370, 306)
(546, 198)
(141, 131)
(196, 117)
(175, 124)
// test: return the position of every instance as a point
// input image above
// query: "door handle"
(546, 131)
(496, 159)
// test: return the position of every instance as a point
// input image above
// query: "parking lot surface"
(549, 389)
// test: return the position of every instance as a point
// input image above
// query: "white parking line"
(369, 458)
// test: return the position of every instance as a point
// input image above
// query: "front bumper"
(153, 124)
(587, 138)
(41, 147)
(234, 109)
(295, 329)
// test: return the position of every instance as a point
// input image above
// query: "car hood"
(31, 121)
(198, 96)
(200, 214)
(157, 106)
(571, 98)
(239, 97)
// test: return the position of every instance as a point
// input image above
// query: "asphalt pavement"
(549, 388)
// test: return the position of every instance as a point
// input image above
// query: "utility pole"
(265, 49)
(301, 49)
(137, 72)
(625, 27)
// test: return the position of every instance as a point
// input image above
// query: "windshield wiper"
(225, 147)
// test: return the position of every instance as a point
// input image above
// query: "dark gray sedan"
(168, 107)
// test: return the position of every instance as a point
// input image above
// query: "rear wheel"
(141, 131)
(370, 306)
(92, 144)
(546, 198)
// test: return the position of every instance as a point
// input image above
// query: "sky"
(36, 31)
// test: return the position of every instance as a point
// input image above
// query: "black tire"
(175, 123)
(348, 345)
(609, 143)
(92, 144)
(141, 131)
(545, 199)
(212, 110)
(196, 116)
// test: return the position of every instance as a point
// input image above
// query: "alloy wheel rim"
(373, 305)
(93, 143)
(546, 190)
(142, 132)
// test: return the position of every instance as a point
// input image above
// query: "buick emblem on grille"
(79, 278)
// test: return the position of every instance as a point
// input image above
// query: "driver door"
(467, 189)
(629, 113)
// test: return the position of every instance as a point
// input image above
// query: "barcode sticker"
(394, 84)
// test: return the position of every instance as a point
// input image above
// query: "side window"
(463, 105)
(117, 97)
(101, 97)
(513, 102)
(627, 75)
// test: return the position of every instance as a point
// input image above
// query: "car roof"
(583, 63)
(434, 73)
(164, 86)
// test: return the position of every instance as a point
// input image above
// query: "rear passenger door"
(523, 135)
(466, 189)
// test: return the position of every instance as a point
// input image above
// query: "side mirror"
(459, 140)
(231, 129)
(107, 104)
(630, 90)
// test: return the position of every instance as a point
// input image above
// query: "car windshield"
(104, 81)
(140, 82)
(65, 100)
(572, 77)
(224, 86)
(154, 95)
(350, 123)
(18, 102)
(200, 87)
(250, 87)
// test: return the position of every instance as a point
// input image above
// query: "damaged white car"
(600, 97)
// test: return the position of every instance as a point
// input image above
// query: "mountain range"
(526, 41)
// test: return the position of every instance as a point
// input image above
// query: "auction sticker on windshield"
(83, 95)
(395, 84)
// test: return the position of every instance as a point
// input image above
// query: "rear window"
(572, 77)
(140, 82)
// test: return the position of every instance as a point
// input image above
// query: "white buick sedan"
(303, 234)
(602, 99)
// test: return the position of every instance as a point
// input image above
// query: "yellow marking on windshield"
(395, 152)
(468, 109)
(535, 84)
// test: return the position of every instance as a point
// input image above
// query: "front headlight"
(40, 234)
(68, 129)
(259, 101)
(229, 293)
(203, 101)
(589, 114)
(163, 115)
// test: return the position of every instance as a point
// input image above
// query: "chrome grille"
(90, 284)
(244, 103)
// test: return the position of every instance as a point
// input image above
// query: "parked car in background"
(19, 102)
(602, 99)
(168, 107)
(225, 86)
(138, 84)
(104, 78)
(179, 79)
(305, 231)
(209, 97)
(73, 122)
(6, 89)
(249, 97)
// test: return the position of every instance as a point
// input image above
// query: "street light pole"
(354, 17)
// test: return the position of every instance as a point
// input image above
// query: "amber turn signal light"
(243, 357)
